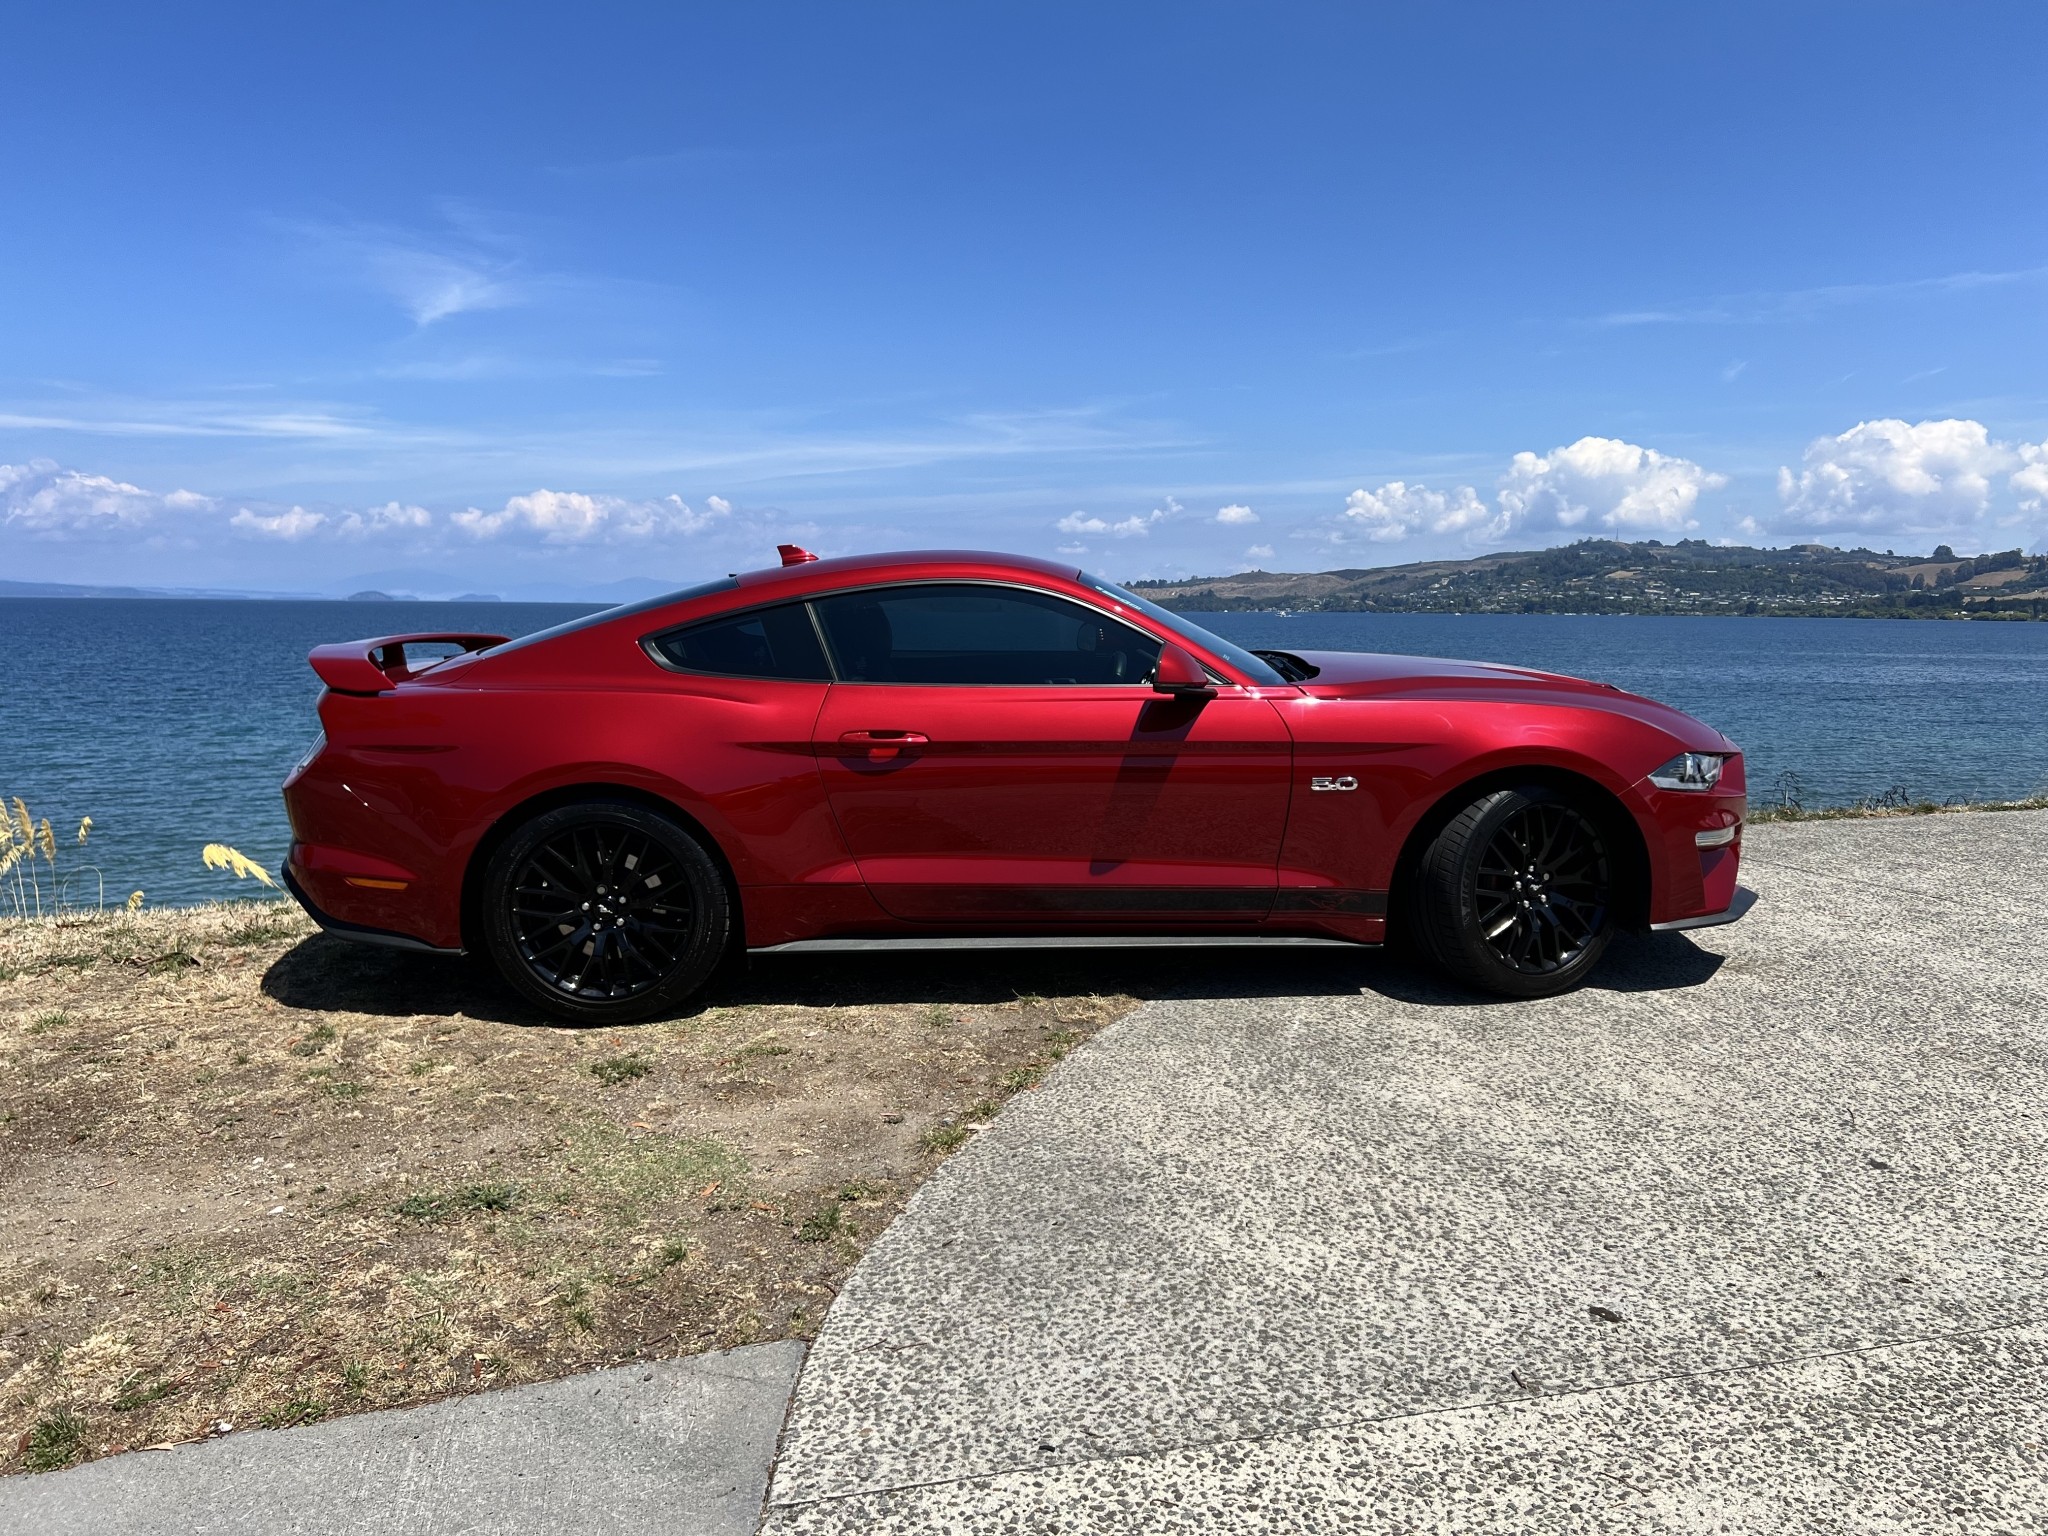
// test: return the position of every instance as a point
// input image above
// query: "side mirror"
(1180, 675)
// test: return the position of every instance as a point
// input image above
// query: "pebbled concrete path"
(1752, 1236)
(680, 1448)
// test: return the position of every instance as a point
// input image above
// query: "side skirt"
(1055, 941)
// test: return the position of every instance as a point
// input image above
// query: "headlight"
(1690, 770)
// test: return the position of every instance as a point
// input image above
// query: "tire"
(605, 912)
(1516, 894)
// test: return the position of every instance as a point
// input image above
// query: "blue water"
(172, 723)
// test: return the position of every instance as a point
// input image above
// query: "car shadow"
(329, 974)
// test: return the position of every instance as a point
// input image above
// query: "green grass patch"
(55, 1440)
(626, 1175)
(827, 1221)
(422, 1206)
(613, 1070)
(488, 1197)
(136, 1392)
(574, 1300)
(183, 1278)
(314, 1040)
(300, 1410)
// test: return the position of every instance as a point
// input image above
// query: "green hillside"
(1691, 576)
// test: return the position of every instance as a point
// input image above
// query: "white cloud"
(44, 499)
(1259, 552)
(1597, 484)
(430, 276)
(1234, 515)
(292, 523)
(1135, 526)
(1071, 549)
(1799, 303)
(1891, 477)
(574, 517)
(2030, 482)
(1398, 509)
(1602, 482)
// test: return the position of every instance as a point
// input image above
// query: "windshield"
(1254, 669)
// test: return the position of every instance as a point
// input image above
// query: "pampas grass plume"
(221, 856)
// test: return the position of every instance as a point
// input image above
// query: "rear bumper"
(357, 932)
(1738, 909)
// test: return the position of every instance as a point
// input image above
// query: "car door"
(995, 754)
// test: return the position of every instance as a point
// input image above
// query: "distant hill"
(83, 589)
(1608, 576)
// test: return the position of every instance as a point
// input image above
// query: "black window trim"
(650, 643)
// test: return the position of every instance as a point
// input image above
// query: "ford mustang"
(957, 748)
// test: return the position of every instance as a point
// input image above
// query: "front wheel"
(605, 912)
(1515, 895)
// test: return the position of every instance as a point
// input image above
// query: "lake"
(171, 723)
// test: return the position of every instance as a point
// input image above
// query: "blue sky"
(505, 297)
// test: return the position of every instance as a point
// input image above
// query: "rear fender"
(609, 782)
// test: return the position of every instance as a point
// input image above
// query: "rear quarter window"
(766, 642)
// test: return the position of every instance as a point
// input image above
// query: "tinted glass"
(767, 642)
(1255, 670)
(959, 632)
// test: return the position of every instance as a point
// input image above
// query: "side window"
(768, 642)
(961, 632)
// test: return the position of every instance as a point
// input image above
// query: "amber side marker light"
(375, 885)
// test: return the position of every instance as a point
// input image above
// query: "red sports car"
(958, 748)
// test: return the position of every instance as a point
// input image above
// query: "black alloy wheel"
(605, 912)
(1515, 896)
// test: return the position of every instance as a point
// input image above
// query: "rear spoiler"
(375, 666)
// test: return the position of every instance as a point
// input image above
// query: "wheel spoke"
(1539, 892)
(601, 911)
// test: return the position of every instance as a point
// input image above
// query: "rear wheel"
(1515, 896)
(605, 912)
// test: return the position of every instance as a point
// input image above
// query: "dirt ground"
(252, 1175)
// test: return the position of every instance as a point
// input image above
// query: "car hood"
(1369, 675)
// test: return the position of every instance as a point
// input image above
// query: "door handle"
(883, 743)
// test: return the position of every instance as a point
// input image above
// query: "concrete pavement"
(679, 1447)
(1752, 1235)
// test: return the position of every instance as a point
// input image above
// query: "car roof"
(810, 574)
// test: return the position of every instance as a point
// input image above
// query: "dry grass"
(253, 1175)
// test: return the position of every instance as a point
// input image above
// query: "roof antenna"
(794, 554)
